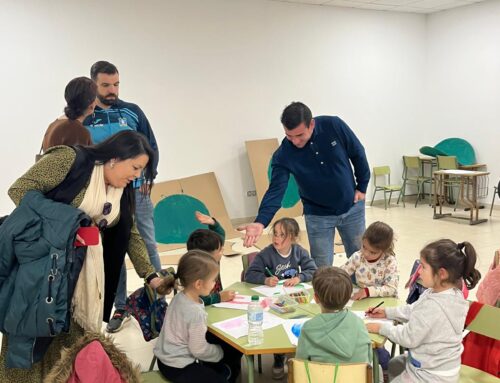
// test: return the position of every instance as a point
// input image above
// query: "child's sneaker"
(279, 366)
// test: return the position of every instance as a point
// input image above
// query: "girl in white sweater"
(433, 325)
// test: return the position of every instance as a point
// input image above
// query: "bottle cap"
(255, 298)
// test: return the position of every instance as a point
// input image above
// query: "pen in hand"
(269, 272)
(373, 308)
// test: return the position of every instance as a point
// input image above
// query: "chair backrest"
(486, 322)
(246, 260)
(446, 162)
(379, 171)
(325, 372)
(411, 162)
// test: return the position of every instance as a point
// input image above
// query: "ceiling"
(411, 6)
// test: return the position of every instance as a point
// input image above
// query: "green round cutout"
(175, 220)
(291, 196)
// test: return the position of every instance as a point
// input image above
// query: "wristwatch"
(152, 276)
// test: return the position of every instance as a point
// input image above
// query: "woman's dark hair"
(295, 114)
(457, 259)
(381, 236)
(333, 286)
(194, 265)
(79, 94)
(289, 226)
(204, 239)
(123, 146)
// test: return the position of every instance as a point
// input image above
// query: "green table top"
(275, 339)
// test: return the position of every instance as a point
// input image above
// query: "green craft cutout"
(291, 196)
(175, 220)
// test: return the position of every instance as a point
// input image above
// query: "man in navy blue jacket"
(319, 153)
(111, 116)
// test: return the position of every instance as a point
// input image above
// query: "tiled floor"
(414, 228)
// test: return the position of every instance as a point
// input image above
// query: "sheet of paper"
(287, 325)
(240, 302)
(238, 327)
(361, 314)
(350, 302)
(280, 289)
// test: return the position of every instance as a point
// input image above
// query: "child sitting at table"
(283, 259)
(374, 266)
(211, 241)
(183, 349)
(336, 335)
(433, 325)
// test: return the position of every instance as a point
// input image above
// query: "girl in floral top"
(375, 266)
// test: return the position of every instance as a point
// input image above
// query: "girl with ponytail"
(185, 351)
(433, 325)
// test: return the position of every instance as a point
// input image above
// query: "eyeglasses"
(103, 223)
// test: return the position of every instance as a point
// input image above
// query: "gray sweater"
(182, 337)
(298, 263)
(432, 331)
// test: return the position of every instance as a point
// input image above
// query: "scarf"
(88, 298)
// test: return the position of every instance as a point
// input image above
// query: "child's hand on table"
(378, 312)
(204, 219)
(227, 295)
(373, 328)
(361, 294)
(271, 281)
(291, 282)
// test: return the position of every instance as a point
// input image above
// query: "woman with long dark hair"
(101, 184)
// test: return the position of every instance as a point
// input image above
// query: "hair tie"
(460, 246)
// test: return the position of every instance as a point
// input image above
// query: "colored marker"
(269, 272)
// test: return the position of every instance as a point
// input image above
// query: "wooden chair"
(303, 371)
(386, 186)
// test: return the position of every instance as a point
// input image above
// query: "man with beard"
(110, 116)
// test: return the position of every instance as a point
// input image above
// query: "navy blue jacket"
(322, 169)
(103, 123)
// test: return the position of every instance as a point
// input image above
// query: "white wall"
(463, 80)
(211, 74)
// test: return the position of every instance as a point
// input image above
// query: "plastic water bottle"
(255, 319)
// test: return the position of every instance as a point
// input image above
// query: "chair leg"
(390, 196)
(373, 197)
(419, 185)
(152, 365)
(493, 200)
(393, 350)
(385, 199)
(402, 191)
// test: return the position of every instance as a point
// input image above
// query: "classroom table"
(275, 339)
(468, 193)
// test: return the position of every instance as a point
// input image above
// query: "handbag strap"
(306, 365)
